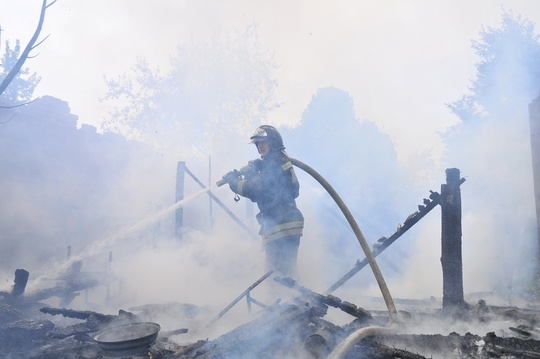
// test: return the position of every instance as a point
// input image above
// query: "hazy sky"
(401, 61)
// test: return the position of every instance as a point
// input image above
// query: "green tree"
(24, 83)
(491, 147)
(213, 92)
(508, 72)
(12, 72)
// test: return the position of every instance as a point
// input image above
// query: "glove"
(232, 177)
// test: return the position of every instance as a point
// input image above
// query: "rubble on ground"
(297, 328)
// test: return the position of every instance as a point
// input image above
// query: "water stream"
(54, 270)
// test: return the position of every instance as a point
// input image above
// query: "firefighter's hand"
(232, 177)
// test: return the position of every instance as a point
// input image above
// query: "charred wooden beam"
(451, 251)
(85, 314)
(21, 278)
(385, 242)
(19, 286)
(329, 300)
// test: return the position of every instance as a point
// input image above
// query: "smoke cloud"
(66, 185)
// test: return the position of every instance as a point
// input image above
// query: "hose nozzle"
(229, 177)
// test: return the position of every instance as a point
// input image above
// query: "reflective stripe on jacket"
(283, 230)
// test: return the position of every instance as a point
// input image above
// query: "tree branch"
(39, 43)
(20, 62)
(19, 105)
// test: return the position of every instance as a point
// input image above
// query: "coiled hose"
(352, 339)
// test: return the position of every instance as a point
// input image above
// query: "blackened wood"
(85, 314)
(534, 122)
(451, 257)
(21, 278)
(384, 242)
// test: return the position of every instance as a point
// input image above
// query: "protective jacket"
(271, 182)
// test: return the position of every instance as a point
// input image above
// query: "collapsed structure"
(300, 327)
(297, 328)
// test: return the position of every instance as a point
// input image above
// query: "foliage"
(491, 147)
(23, 85)
(508, 70)
(213, 91)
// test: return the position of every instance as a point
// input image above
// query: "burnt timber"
(294, 329)
(302, 327)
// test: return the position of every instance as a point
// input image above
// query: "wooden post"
(451, 258)
(210, 185)
(179, 213)
(21, 278)
(108, 279)
(534, 122)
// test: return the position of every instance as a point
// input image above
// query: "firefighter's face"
(263, 147)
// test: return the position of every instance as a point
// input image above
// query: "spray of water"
(53, 270)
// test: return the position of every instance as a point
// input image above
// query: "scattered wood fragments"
(299, 328)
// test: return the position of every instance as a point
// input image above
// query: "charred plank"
(85, 314)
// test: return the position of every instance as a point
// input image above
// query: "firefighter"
(271, 182)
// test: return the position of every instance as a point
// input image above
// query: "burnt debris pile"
(301, 327)
(307, 325)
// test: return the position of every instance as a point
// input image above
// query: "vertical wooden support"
(108, 279)
(451, 258)
(534, 122)
(179, 213)
(21, 278)
(210, 197)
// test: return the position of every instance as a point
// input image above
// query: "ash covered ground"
(299, 324)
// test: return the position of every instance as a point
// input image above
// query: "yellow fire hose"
(352, 339)
(362, 333)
